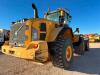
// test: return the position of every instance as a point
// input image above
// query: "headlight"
(34, 34)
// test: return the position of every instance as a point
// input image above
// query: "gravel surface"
(89, 64)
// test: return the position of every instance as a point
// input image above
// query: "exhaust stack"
(35, 11)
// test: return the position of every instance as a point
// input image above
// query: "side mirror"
(70, 18)
(77, 30)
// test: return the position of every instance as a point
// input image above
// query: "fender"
(67, 31)
(53, 34)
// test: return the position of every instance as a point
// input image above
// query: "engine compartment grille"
(17, 35)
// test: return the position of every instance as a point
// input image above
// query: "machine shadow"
(89, 63)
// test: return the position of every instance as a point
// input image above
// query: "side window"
(43, 27)
(34, 34)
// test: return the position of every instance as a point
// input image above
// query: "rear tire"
(80, 47)
(86, 45)
(61, 53)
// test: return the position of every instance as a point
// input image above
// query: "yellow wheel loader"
(40, 40)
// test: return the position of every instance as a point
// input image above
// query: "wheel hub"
(68, 53)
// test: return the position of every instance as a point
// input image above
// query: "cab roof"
(58, 10)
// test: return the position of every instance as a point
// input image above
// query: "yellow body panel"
(54, 33)
(28, 32)
(18, 52)
(51, 31)
(49, 27)
(27, 53)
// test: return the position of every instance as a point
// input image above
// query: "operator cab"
(60, 16)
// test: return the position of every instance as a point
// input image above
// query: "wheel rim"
(68, 53)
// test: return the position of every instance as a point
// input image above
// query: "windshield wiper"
(18, 30)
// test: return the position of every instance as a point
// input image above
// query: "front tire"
(62, 53)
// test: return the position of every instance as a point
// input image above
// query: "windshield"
(54, 16)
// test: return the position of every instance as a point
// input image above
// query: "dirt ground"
(89, 64)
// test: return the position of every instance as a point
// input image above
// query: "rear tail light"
(35, 46)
